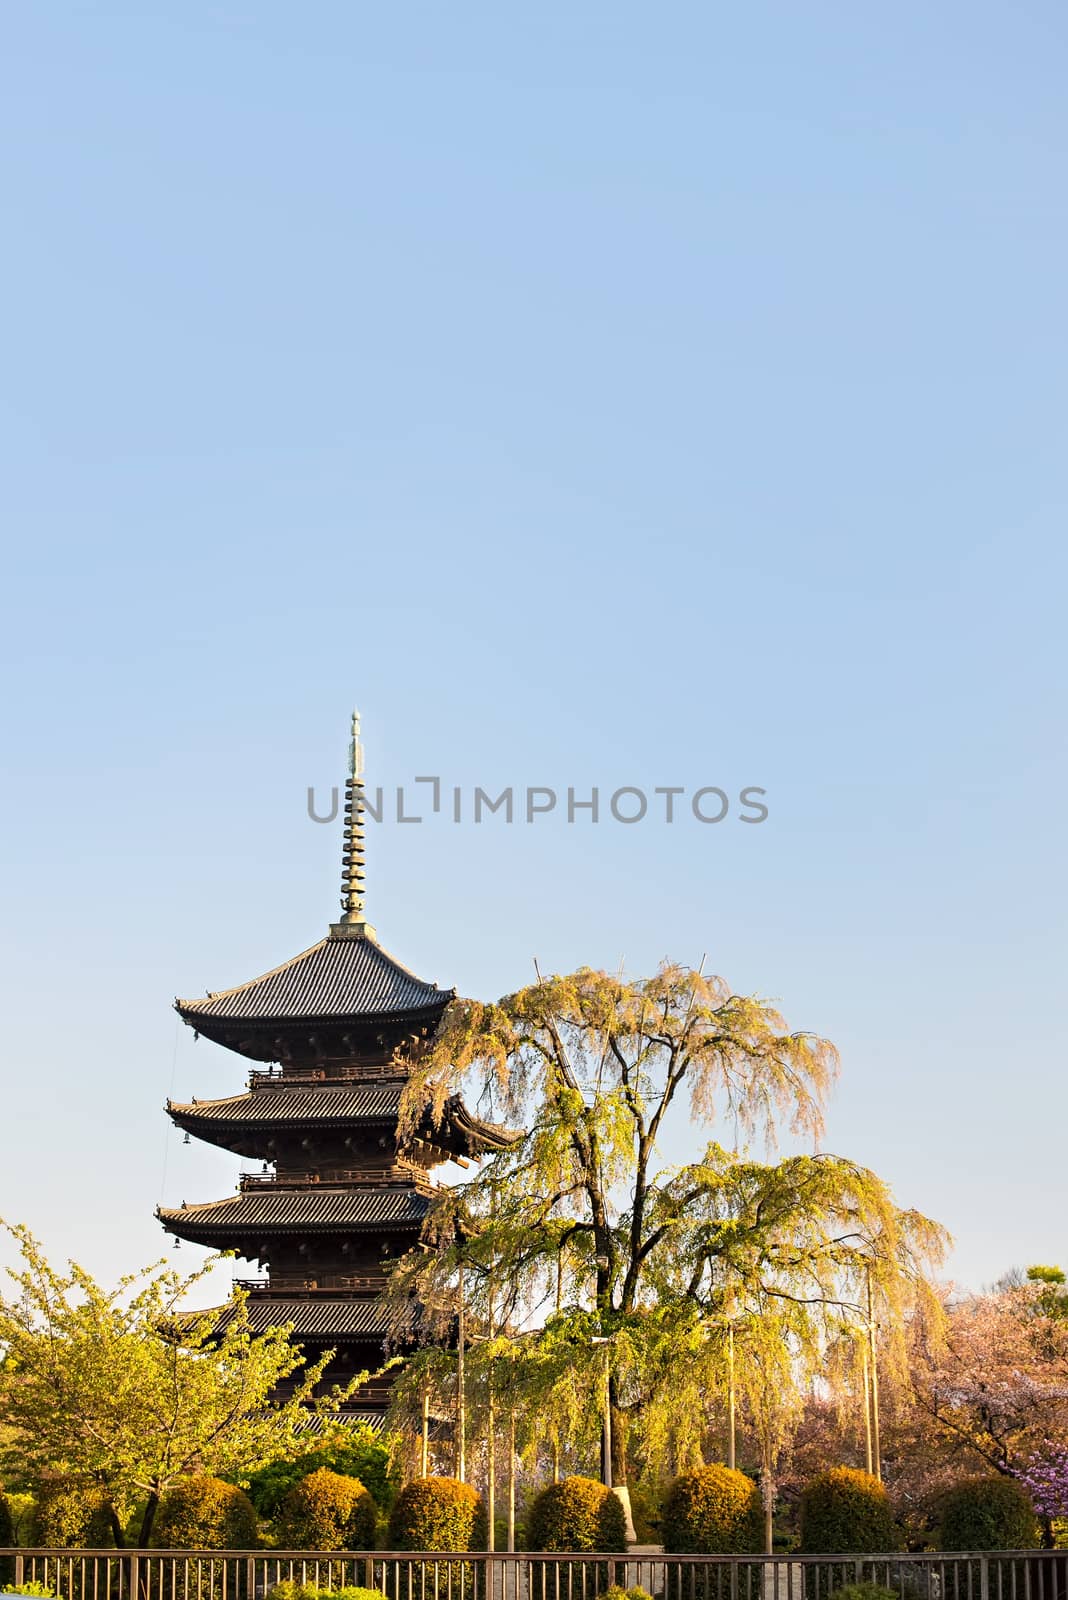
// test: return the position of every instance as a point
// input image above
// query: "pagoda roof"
(346, 977)
(294, 1106)
(314, 1210)
(280, 1106)
(312, 1317)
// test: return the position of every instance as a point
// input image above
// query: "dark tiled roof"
(312, 1210)
(324, 1422)
(337, 978)
(270, 1107)
(314, 1317)
(460, 1130)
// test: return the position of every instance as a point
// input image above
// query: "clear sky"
(596, 395)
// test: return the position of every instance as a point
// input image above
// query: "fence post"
(984, 1578)
(250, 1577)
(20, 1563)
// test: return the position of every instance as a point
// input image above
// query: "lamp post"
(606, 1430)
(461, 1399)
(876, 1443)
(731, 1426)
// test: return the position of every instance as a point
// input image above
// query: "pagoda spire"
(353, 858)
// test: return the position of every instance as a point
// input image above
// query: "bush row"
(713, 1510)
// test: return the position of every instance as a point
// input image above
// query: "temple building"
(339, 1197)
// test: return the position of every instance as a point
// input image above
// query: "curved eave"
(314, 1320)
(478, 1136)
(254, 1133)
(276, 1038)
(235, 1235)
(204, 1022)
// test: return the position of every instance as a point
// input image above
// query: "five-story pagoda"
(339, 1195)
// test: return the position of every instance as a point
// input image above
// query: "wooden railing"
(414, 1575)
(293, 1283)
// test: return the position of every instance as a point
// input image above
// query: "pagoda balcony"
(335, 1072)
(283, 1283)
(397, 1177)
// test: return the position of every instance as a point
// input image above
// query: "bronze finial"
(353, 859)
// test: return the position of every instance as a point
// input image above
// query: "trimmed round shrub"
(577, 1514)
(438, 1514)
(206, 1514)
(713, 1511)
(846, 1512)
(992, 1513)
(326, 1511)
(70, 1516)
(361, 1456)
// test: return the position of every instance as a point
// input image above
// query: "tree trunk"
(620, 1435)
(117, 1532)
(1049, 1541)
(767, 1494)
(148, 1520)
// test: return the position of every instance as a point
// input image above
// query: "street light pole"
(877, 1453)
(606, 1430)
(731, 1426)
(461, 1398)
(867, 1407)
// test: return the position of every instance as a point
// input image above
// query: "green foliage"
(40, 1590)
(616, 1591)
(438, 1514)
(22, 1509)
(1053, 1299)
(7, 1537)
(577, 1514)
(290, 1590)
(992, 1513)
(360, 1455)
(204, 1513)
(326, 1511)
(712, 1511)
(864, 1591)
(846, 1512)
(122, 1387)
(69, 1516)
(658, 1262)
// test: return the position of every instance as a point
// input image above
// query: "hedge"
(364, 1458)
(326, 1511)
(204, 1513)
(846, 1512)
(7, 1537)
(69, 1516)
(438, 1514)
(288, 1589)
(992, 1513)
(713, 1511)
(577, 1514)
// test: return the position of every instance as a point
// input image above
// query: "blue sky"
(595, 395)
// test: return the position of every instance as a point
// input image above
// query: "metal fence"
(411, 1575)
